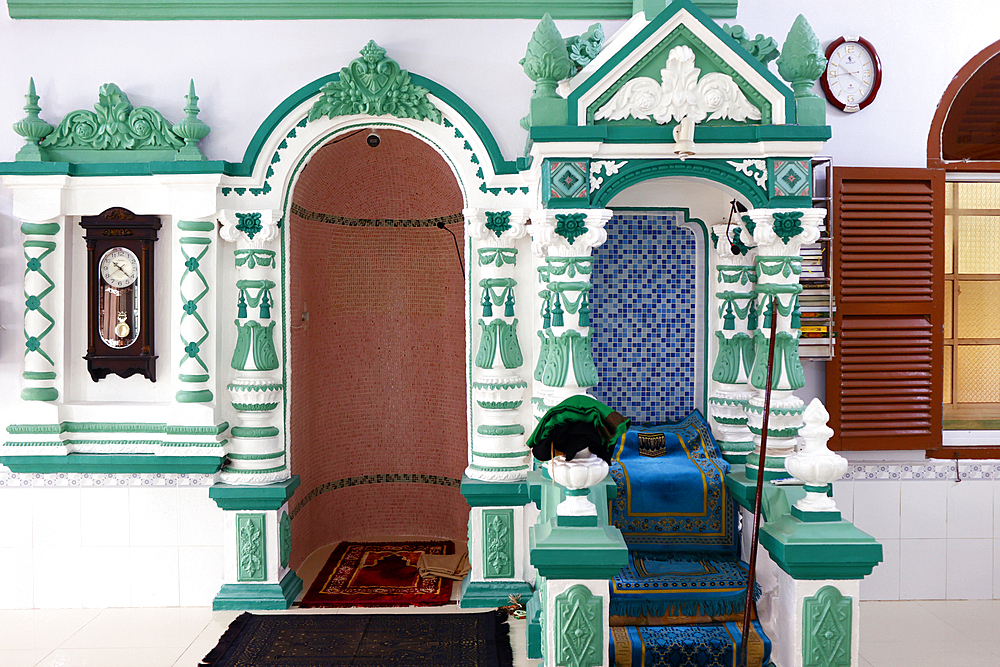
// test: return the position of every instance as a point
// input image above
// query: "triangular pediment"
(638, 76)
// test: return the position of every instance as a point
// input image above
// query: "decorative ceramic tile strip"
(13, 479)
(862, 472)
(384, 478)
(330, 219)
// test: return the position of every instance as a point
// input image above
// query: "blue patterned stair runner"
(712, 645)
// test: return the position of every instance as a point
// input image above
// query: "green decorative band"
(731, 402)
(492, 429)
(39, 375)
(254, 431)
(777, 288)
(256, 457)
(730, 421)
(771, 463)
(131, 443)
(497, 469)
(750, 407)
(499, 405)
(577, 492)
(243, 471)
(196, 226)
(252, 407)
(203, 445)
(39, 393)
(200, 396)
(40, 228)
(113, 463)
(197, 430)
(330, 219)
(816, 489)
(255, 387)
(195, 240)
(386, 478)
(240, 597)
(183, 377)
(776, 433)
(514, 384)
(115, 427)
(233, 497)
(500, 455)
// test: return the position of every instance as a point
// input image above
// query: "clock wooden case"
(120, 327)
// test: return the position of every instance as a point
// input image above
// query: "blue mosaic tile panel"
(643, 310)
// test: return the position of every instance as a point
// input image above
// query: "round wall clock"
(120, 293)
(853, 73)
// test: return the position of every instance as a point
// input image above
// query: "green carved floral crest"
(498, 222)
(570, 226)
(376, 86)
(249, 223)
(764, 49)
(787, 224)
(114, 124)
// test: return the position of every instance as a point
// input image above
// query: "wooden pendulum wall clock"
(120, 293)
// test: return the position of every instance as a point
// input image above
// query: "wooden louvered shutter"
(884, 385)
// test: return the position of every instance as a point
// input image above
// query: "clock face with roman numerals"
(853, 73)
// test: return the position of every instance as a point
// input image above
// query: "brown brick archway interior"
(377, 372)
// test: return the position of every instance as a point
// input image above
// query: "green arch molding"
(637, 171)
(311, 90)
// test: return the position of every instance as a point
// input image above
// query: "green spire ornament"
(546, 62)
(191, 129)
(800, 64)
(32, 128)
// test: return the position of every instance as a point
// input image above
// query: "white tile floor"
(941, 633)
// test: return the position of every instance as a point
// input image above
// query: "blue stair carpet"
(714, 645)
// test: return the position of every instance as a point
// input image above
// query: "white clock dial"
(852, 74)
(119, 267)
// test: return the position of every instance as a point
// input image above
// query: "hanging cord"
(754, 536)
(458, 252)
(734, 206)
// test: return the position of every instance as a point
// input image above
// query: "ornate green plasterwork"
(800, 64)
(494, 429)
(375, 85)
(503, 335)
(826, 629)
(764, 49)
(284, 539)
(257, 339)
(498, 222)
(733, 351)
(251, 551)
(192, 348)
(555, 355)
(785, 265)
(498, 543)
(546, 61)
(578, 628)
(116, 132)
(582, 49)
(787, 224)
(249, 223)
(786, 357)
(31, 127)
(497, 256)
(34, 253)
(571, 226)
(252, 258)
(191, 128)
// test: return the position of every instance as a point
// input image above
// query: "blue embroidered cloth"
(712, 645)
(675, 501)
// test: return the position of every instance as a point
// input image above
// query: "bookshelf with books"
(816, 303)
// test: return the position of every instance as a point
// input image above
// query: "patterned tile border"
(385, 478)
(20, 480)
(330, 219)
(861, 472)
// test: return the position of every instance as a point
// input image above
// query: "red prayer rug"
(373, 574)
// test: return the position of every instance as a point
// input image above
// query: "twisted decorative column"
(256, 454)
(779, 235)
(193, 371)
(735, 310)
(498, 388)
(40, 355)
(563, 241)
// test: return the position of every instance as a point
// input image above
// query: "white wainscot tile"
(922, 569)
(153, 576)
(152, 516)
(57, 578)
(17, 590)
(883, 582)
(970, 569)
(200, 522)
(876, 508)
(104, 516)
(996, 569)
(106, 581)
(201, 574)
(16, 506)
(970, 509)
(996, 511)
(843, 495)
(55, 517)
(923, 509)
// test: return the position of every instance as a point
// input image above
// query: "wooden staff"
(752, 574)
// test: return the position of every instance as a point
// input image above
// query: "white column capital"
(496, 228)
(568, 232)
(252, 229)
(783, 231)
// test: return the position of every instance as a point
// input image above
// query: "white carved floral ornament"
(681, 94)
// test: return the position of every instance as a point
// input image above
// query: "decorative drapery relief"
(681, 93)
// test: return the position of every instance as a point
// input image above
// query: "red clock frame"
(876, 82)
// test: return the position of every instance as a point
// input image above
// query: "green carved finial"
(582, 49)
(31, 127)
(374, 85)
(800, 64)
(191, 129)
(546, 62)
(764, 49)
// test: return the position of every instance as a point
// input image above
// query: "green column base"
(492, 594)
(533, 633)
(259, 596)
(39, 394)
(200, 396)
